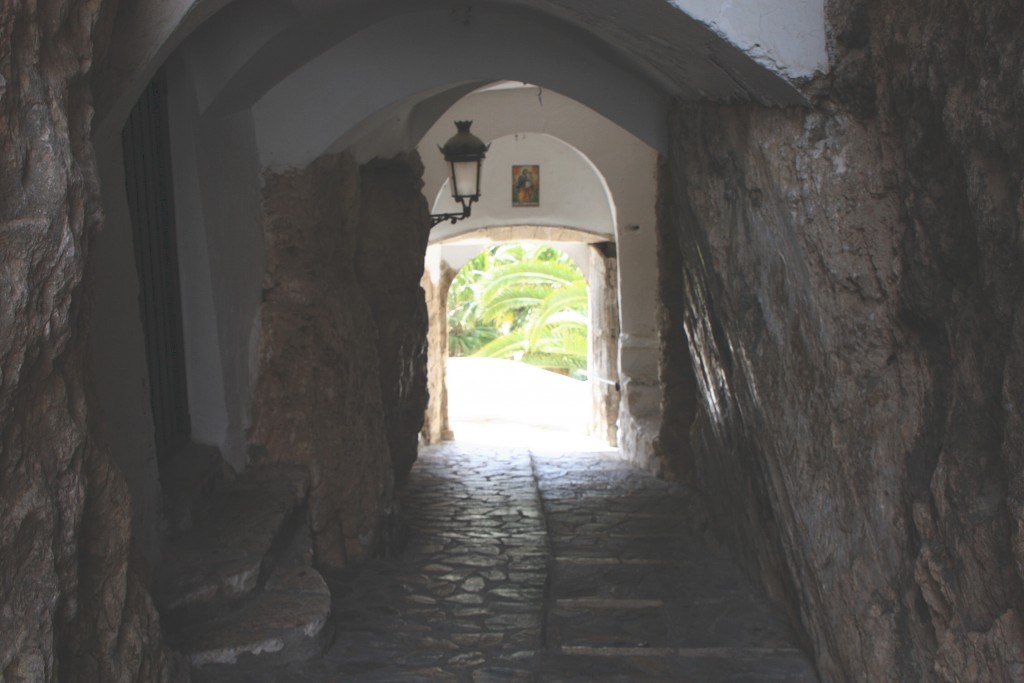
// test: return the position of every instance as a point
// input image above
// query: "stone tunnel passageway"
(813, 227)
(522, 565)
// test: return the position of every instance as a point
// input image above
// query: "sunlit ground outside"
(500, 402)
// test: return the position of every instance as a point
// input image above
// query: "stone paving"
(523, 566)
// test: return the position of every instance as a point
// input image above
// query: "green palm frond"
(466, 342)
(514, 299)
(574, 319)
(534, 295)
(560, 361)
(571, 344)
(566, 299)
(507, 346)
(529, 273)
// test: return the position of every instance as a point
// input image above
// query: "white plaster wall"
(627, 165)
(217, 304)
(572, 193)
(787, 36)
(221, 260)
(145, 35)
(119, 355)
(263, 41)
(302, 116)
(500, 113)
(232, 203)
(641, 394)
(229, 40)
(207, 405)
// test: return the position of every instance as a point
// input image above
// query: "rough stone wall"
(681, 397)
(640, 413)
(74, 604)
(436, 427)
(394, 225)
(317, 396)
(853, 279)
(604, 344)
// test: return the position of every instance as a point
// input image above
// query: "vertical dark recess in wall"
(147, 160)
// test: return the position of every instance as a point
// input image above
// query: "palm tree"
(522, 303)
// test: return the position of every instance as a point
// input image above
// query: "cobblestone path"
(527, 567)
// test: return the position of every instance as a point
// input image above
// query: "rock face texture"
(853, 274)
(341, 379)
(73, 603)
(436, 285)
(394, 225)
(604, 342)
(317, 398)
(680, 399)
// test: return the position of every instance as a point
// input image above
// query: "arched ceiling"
(422, 53)
(319, 68)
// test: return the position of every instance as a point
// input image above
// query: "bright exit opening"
(518, 345)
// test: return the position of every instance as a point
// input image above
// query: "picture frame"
(525, 185)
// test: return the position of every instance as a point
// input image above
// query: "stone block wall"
(853, 277)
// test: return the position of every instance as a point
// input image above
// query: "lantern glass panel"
(465, 179)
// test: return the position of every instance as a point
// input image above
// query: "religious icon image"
(526, 185)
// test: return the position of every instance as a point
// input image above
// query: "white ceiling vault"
(313, 72)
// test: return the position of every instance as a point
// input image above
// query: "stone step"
(283, 622)
(765, 665)
(223, 553)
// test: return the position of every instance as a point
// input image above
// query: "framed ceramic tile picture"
(526, 185)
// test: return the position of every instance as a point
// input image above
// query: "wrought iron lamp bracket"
(467, 210)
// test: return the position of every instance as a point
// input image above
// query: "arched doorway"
(577, 192)
(518, 340)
